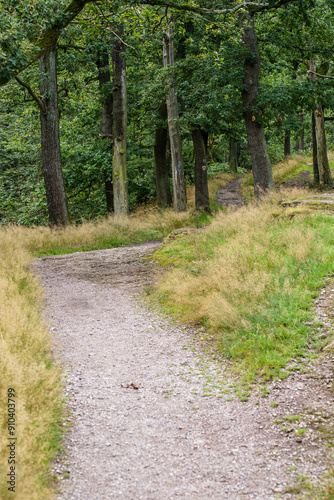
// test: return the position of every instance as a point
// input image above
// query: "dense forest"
(108, 105)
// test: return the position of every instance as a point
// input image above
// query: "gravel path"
(154, 418)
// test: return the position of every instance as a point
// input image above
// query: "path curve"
(153, 417)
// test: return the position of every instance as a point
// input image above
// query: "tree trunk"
(262, 173)
(179, 186)
(300, 144)
(107, 119)
(315, 153)
(119, 173)
(318, 123)
(233, 155)
(199, 137)
(164, 195)
(287, 143)
(201, 172)
(51, 156)
(325, 176)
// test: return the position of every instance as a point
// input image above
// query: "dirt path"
(153, 417)
(230, 195)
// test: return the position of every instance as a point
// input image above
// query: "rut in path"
(153, 417)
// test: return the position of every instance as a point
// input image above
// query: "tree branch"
(35, 97)
(253, 6)
(75, 47)
(319, 75)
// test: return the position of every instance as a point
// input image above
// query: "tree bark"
(300, 144)
(199, 137)
(318, 121)
(287, 143)
(50, 142)
(162, 166)
(262, 173)
(325, 176)
(233, 155)
(179, 186)
(202, 201)
(119, 173)
(315, 153)
(107, 119)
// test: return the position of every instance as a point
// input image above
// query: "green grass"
(251, 278)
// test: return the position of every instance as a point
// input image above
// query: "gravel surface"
(154, 417)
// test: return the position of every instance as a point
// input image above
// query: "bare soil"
(153, 416)
(230, 195)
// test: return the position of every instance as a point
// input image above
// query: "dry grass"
(290, 167)
(238, 276)
(144, 225)
(25, 366)
(286, 169)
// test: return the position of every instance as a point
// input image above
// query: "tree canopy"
(290, 63)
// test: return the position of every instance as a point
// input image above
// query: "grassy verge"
(26, 367)
(109, 233)
(251, 278)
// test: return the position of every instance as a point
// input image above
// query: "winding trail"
(154, 418)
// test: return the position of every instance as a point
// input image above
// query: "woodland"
(118, 123)
(109, 105)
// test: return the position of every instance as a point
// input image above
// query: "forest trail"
(153, 416)
(230, 195)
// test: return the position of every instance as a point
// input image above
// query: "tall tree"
(162, 166)
(51, 157)
(200, 139)
(179, 186)
(262, 173)
(119, 171)
(233, 155)
(318, 123)
(107, 117)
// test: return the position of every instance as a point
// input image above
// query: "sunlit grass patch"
(251, 277)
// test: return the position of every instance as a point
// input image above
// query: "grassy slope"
(251, 278)
(265, 261)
